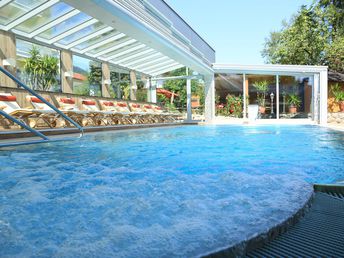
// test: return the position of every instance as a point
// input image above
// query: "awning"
(166, 93)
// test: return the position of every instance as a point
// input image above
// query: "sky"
(236, 29)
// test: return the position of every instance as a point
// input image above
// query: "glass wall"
(229, 94)
(87, 76)
(295, 97)
(262, 91)
(38, 66)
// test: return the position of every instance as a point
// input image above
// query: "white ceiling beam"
(160, 60)
(142, 59)
(72, 31)
(5, 2)
(129, 50)
(142, 53)
(153, 66)
(53, 23)
(164, 70)
(103, 42)
(88, 37)
(115, 47)
(30, 14)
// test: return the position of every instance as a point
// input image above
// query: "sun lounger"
(141, 116)
(120, 114)
(68, 107)
(31, 117)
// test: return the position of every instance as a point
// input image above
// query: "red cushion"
(121, 104)
(67, 100)
(108, 103)
(36, 100)
(89, 102)
(148, 106)
(7, 98)
(135, 105)
(158, 108)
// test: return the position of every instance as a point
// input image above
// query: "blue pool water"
(163, 192)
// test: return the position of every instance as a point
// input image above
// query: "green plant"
(41, 70)
(337, 92)
(234, 105)
(262, 89)
(294, 100)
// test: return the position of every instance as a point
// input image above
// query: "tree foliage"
(42, 71)
(179, 87)
(314, 36)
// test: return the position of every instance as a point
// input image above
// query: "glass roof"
(44, 17)
(82, 33)
(57, 23)
(17, 8)
(65, 26)
(96, 40)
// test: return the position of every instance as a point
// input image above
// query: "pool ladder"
(43, 137)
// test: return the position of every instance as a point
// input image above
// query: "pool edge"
(254, 242)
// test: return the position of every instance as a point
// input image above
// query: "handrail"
(15, 79)
(23, 125)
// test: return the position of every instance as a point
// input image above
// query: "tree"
(42, 71)
(179, 87)
(310, 37)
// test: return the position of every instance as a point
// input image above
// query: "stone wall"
(336, 118)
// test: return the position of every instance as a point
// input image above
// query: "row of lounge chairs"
(112, 112)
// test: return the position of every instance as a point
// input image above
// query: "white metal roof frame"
(94, 36)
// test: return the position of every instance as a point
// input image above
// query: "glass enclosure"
(277, 96)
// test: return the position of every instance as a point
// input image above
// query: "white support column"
(277, 97)
(244, 95)
(151, 91)
(209, 87)
(188, 100)
(323, 97)
(316, 101)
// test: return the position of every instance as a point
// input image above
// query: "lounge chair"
(119, 113)
(31, 117)
(98, 117)
(141, 116)
(69, 108)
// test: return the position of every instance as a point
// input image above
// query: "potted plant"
(294, 102)
(338, 94)
(262, 89)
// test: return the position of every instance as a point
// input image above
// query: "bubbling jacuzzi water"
(163, 192)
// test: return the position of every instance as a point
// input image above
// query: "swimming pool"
(163, 192)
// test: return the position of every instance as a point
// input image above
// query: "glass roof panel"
(17, 8)
(44, 17)
(64, 26)
(95, 40)
(82, 33)
(118, 51)
(108, 45)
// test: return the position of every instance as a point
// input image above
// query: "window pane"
(38, 66)
(95, 40)
(87, 76)
(17, 8)
(64, 26)
(295, 97)
(44, 17)
(229, 95)
(82, 33)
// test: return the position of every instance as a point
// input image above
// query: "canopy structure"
(132, 34)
